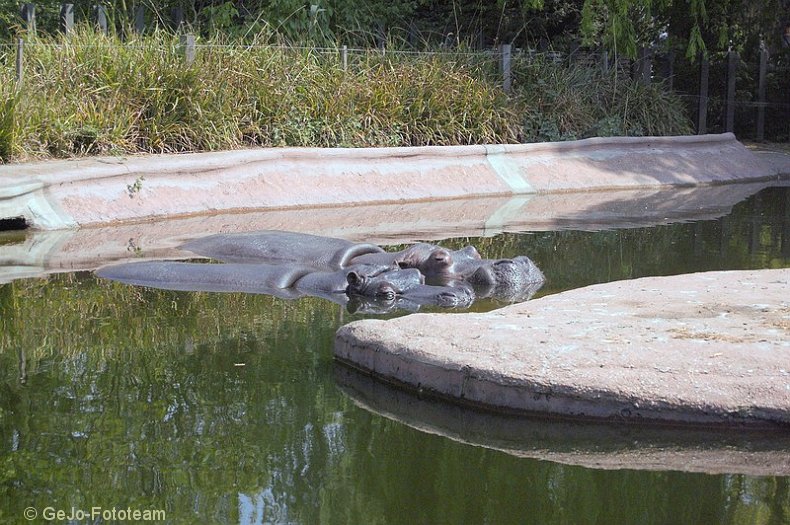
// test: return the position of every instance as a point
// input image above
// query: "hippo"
(380, 285)
(365, 276)
(505, 279)
(408, 284)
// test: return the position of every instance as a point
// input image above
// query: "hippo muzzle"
(383, 282)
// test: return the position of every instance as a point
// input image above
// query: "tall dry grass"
(95, 94)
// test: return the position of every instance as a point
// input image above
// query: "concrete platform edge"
(686, 349)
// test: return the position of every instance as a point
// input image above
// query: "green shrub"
(8, 100)
(93, 94)
(568, 102)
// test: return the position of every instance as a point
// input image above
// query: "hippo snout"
(458, 297)
(484, 275)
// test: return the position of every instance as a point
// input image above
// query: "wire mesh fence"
(750, 98)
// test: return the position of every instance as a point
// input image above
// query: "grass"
(93, 94)
(573, 102)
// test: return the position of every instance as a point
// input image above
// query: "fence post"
(20, 50)
(139, 20)
(702, 107)
(187, 41)
(100, 15)
(732, 64)
(381, 37)
(604, 61)
(507, 81)
(177, 15)
(28, 13)
(761, 93)
(645, 66)
(66, 19)
(670, 68)
(344, 57)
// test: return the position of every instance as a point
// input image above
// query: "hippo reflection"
(363, 276)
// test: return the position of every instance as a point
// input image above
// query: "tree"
(699, 26)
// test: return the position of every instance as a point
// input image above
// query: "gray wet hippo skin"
(408, 284)
(277, 247)
(293, 265)
(508, 279)
(376, 288)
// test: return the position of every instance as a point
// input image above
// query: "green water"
(224, 408)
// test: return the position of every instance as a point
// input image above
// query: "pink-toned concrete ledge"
(708, 348)
(95, 191)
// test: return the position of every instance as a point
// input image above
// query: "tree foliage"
(697, 26)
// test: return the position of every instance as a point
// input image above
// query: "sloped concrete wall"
(94, 191)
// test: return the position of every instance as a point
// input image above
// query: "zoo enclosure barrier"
(723, 93)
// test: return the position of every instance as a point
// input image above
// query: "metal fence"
(722, 93)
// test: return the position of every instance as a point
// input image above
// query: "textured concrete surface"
(94, 191)
(709, 348)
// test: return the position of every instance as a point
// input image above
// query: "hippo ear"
(471, 251)
(353, 278)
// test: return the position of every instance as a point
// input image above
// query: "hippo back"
(276, 247)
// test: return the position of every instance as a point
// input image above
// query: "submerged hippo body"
(276, 247)
(293, 265)
(507, 279)
(287, 282)
(381, 286)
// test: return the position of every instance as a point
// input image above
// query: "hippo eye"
(386, 292)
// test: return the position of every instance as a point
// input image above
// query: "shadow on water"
(224, 407)
(589, 444)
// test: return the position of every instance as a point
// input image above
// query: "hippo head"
(443, 265)
(437, 263)
(514, 279)
(382, 282)
(406, 287)
(413, 299)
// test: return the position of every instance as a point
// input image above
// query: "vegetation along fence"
(748, 95)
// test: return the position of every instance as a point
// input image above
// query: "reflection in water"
(591, 444)
(223, 407)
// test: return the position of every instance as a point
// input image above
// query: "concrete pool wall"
(99, 191)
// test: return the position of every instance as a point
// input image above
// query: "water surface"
(225, 407)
